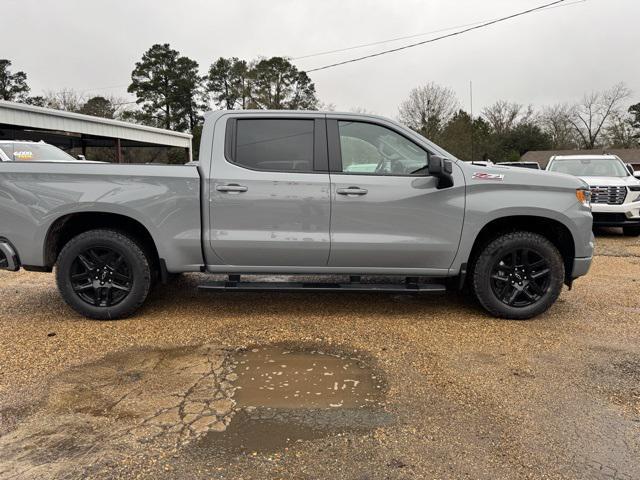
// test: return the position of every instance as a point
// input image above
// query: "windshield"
(585, 167)
(36, 152)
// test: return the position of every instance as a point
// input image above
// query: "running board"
(324, 287)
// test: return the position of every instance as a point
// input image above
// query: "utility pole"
(472, 129)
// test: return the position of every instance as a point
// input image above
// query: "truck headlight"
(584, 196)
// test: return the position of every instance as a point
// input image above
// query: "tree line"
(171, 93)
(506, 130)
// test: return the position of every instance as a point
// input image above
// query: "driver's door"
(386, 211)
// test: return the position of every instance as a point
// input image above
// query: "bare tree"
(66, 99)
(106, 106)
(591, 116)
(326, 107)
(361, 111)
(428, 109)
(504, 116)
(555, 121)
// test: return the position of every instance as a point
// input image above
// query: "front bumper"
(580, 267)
(8, 257)
(601, 219)
(627, 214)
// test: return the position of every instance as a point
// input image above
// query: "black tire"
(122, 274)
(631, 231)
(535, 275)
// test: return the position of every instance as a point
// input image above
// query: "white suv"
(615, 192)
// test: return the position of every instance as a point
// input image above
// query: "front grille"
(608, 195)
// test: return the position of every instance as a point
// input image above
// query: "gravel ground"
(460, 395)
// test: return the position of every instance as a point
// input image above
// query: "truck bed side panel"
(165, 199)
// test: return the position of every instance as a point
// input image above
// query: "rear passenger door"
(269, 195)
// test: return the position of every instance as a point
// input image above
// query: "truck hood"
(611, 181)
(520, 176)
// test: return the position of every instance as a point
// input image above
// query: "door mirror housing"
(630, 168)
(442, 169)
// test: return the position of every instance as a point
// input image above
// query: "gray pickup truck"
(298, 193)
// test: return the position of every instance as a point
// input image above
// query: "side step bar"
(8, 257)
(237, 286)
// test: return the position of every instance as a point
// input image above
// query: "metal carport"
(111, 140)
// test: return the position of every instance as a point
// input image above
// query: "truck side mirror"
(442, 169)
(630, 168)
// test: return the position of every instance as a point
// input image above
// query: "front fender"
(485, 205)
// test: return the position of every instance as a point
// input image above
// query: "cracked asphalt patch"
(169, 399)
(461, 395)
(127, 399)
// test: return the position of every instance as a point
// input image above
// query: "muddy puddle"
(201, 401)
(280, 377)
(286, 394)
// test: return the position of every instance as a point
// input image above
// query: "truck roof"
(604, 156)
(294, 112)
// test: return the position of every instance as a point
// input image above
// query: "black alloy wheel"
(101, 276)
(104, 274)
(517, 275)
(520, 277)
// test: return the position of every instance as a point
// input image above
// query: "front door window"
(371, 149)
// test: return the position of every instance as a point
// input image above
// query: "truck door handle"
(352, 191)
(232, 188)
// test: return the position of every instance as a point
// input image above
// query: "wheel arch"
(554, 230)
(68, 226)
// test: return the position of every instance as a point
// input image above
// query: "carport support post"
(118, 151)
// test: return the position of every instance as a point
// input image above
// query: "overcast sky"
(546, 57)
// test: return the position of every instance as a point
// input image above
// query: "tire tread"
(103, 313)
(487, 299)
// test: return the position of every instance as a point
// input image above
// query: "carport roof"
(21, 115)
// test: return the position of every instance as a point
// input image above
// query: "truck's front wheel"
(103, 274)
(518, 275)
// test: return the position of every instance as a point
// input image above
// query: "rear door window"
(274, 145)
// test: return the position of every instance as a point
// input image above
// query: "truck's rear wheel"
(518, 275)
(103, 274)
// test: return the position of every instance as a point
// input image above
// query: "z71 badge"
(488, 176)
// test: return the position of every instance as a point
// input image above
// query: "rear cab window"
(275, 145)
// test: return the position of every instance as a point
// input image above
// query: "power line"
(417, 35)
(432, 40)
(105, 88)
(381, 42)
(467, 28)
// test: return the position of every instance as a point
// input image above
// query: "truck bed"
(35, 198)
